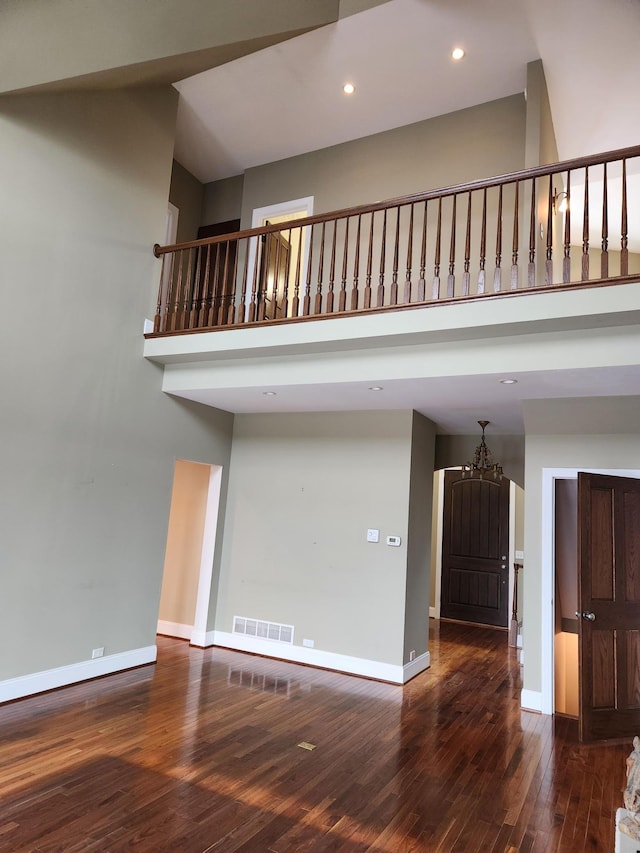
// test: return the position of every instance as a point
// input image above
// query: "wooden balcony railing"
(576, 223)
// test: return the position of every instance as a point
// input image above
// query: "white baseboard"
(62, 676)
(175, 629)
(396, 674)
(415, 667)
(531, 700)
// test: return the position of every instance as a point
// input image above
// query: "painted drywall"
(184, 542)
(303, 490)
(187, 194)
(86, 488)
(222, 200)
(123, 42)
(416, 626)
(434, 153)
(568, 447)
(540, 147)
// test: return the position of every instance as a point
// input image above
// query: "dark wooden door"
(609, 606)
(274, 271)
(475, 550)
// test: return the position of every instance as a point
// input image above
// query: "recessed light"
(348, 88)
(376, 388)
(508, 381)
(269, 393)
(457, 53)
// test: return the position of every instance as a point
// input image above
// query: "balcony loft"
(533, 270)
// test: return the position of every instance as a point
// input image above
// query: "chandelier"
(483, 464)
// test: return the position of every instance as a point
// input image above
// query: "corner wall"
(303, 490)
(86, 487)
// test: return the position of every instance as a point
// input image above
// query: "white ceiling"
(287, 99)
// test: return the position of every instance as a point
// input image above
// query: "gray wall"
(90, 439)
(223, 200)
(416, 628)
(466, 145)
(303, 490)
(187, 193)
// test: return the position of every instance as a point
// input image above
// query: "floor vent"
(263, 630)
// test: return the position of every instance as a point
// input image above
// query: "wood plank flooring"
(200, 753)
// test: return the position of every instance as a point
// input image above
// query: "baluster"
(422, 284)
(624, 251)
(435, 294)
(223, 304)
(604, 255)
(306, 302)
(451, 279)
(407, 281)
(516, 239)
(215, 295)
(383, 252)
(318, 304)
(497, 275)
(342, 300)
(164, 291)
(393, 296)
(466, 275)
(356, 269)
(231, 309)
(275, 286)
(195, 296)
(255, 295)
(585, 228)
(566, 259)
(178, 290)
(202, 313)
(548, 265)
(186, 295)
(531, 270)
(483, 243)
(287, 268)
(242, 307)
(332, 269)
(295, 305)
(367, 289)
(263, 283)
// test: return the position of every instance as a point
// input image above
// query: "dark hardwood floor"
(200, 753)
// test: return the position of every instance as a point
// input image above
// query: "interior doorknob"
(586, 614)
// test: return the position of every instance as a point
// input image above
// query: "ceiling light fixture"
(269, 393)
(348, 88)
(508, 381)
(482, 465)
(376, 388)
(457, 53)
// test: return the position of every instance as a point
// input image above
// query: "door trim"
(545, 700)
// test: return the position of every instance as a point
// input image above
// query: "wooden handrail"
(400, 201)
(418, 249)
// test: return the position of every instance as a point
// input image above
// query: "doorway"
(545, 700)
(188, 565)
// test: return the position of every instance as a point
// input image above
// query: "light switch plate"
(373, 535)
(519, 555)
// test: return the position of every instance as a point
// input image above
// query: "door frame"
(270, 211)
(548, 579)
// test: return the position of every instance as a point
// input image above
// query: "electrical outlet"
(308, 643)
(412, 654)
(519, 555)
(97, 653)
